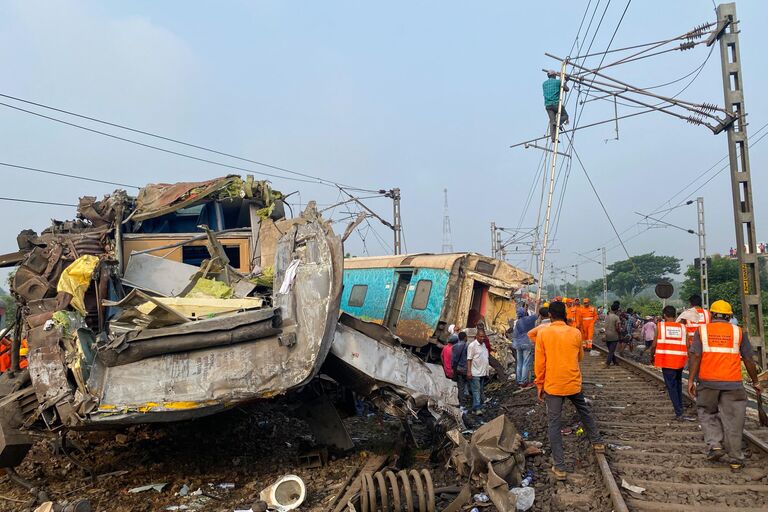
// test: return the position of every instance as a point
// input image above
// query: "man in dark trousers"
(551, 90)
(459, 365)
(669, 351)
(558, 377)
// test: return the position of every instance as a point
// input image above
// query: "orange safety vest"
(572, 315)
(720, 354)
(671, 349)
(704, 318)
(588, 314)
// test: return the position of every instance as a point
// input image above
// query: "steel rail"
(749, 436)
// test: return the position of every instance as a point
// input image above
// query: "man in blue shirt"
(523, 348)
(551, 89)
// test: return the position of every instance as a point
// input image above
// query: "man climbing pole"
(551, 89)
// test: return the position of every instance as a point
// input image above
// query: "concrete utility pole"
(605, 280)
(703, 267)
(551, 184)
(398, 226)
(447, 239)
(741, 181)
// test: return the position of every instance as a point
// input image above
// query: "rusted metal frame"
(195, 238)
(749, 436)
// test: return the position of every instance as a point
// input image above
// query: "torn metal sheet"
(376, 366)
(175, 386)
(159, 275)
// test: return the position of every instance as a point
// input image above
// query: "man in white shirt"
(694, 317)
(477, 371)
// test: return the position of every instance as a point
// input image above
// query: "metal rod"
(552, 172)
(584, 126)
(630, 87)
(703, 270)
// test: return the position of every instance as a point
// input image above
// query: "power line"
(600, 200)
(310, 178)
(34, 201)
(66, 175)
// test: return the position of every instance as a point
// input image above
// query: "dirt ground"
(252, 447)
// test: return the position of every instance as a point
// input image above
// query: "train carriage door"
(479, 303)
(403, 281)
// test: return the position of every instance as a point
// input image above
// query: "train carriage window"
(485, 267)
(421, 295)
(357, 295)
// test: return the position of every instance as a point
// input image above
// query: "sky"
(424, 96)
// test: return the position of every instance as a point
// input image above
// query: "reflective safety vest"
(720, 355)
(671, 349)
(704, 318)
(588, 314)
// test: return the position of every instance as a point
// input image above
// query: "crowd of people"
(550, 345)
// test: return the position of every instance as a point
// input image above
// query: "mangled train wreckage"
(186, 300)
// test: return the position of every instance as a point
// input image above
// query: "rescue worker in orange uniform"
(695, 316)
(571, 313)
(558, 377)
(587, 319)
(5, 354)
(716, 354)
(669, 351)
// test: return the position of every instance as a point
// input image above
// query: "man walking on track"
(551, 90)
(612, 333)
(716, 354)
(695, 316)
(587, 319)
(558, 376)
(669, 351)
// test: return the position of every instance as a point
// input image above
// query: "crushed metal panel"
(396, 367)
(158, 275)
(201, 382)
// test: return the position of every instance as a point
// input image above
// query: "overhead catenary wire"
(66, 175)
(35, 201)
(175, 141)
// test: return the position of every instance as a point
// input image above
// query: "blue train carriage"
(417, 296)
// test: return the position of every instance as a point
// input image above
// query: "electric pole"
(703, 270)
(741, 182)
(551, 183)
(397, 227)
(605, 281)
(447, 239)
(493, 239)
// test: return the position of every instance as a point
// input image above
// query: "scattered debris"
(633, 488)
(157, 487)
(619, 446)
(495, 450)
(524, 497)
(288, 493)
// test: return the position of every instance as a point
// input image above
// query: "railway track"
(647, 447)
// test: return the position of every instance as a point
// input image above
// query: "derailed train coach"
(417, 296)
(178, 303)
(189, 299)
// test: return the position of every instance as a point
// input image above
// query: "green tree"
(723, 276)
(627, 277)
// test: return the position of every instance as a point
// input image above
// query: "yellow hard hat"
(545, 305)
(721, 307)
